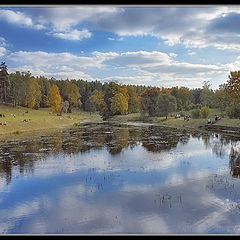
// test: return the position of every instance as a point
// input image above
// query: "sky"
(155, 45)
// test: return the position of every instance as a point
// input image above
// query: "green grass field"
(40, 119)
(180, 123)
(43, 120)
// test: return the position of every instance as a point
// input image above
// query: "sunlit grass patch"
(20, 119)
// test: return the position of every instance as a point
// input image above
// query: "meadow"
(21, 120)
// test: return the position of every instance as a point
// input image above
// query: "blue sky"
(155, 45)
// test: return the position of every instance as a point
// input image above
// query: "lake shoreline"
(229, 128)
(42, 120)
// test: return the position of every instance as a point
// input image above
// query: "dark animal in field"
(26, 120)
(2, 115)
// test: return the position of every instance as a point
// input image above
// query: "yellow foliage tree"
(55, 99)
(119, 104)
(97, 99)
(33, 93)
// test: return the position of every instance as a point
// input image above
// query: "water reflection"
(102, 178)
(22, 154)
(234, 162)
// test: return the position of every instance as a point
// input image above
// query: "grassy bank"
(179, 123)
(21, 120)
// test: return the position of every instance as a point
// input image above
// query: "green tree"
(17, 88)
(195, 113)
(221, 98)
(183, 95)
(45, 86)
(133, 99)
(149, 100)
(165, 104)
(4, 82)
(206, 94)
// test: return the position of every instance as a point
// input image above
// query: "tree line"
(112, 98)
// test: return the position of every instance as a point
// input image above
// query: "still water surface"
(132, 178)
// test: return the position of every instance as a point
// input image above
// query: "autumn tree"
(70, 93)
(119, 104)
(97, 99)
(234, 86)
(55, 99)
(33, 93)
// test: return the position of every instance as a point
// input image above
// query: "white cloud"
(73, 34)
(2, 42)
(194, 27)
(63, 18)
(51, 60)
(18, 18)
(2, 51)
(140, 67)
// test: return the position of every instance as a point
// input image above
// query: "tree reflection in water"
(23, 154)
(234, 161)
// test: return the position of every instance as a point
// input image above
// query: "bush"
(233, 111)
(195, 113)
(182, 113)
(205, 111)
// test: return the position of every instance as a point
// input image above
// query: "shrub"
(195, 113)
(233, 111)
(205, 111)
(182, 113)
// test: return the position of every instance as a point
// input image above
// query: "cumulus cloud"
(73, 34)
(194, 27)
(139, 67)
(63, 18)
(18, 18)
(51, 60)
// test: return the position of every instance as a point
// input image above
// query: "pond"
(120, 179)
